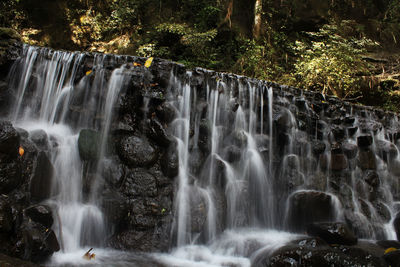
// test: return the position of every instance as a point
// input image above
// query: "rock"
(350, 150)
(9, 139)
(318, 147)
(393, 258)
(137, 151)
(89, 144)
(166, 112)
(333, 233)
(372, 178)
(10, 176)
(388, 244)
(396, 225)
(41, 182)
(322, 255)
(40, 138)
(338, 162)
(139, 182)
(232, 153)
(41, 214)
(364, 141)
(6, 220)
(386, 150)
(7, 261)
(383, 211)
(113, 172)
(366, 160)
(158, 134)
(306, 207)
(170, 161)
(36, 242)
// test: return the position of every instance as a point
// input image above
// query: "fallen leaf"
(135, 64)
(88, 72)
(390, 250)
(21, 151)
(148, 62)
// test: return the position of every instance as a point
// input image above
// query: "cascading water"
(254, 159)
(44, 103)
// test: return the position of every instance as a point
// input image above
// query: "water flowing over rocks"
(101, 151)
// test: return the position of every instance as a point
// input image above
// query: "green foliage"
(331, 63)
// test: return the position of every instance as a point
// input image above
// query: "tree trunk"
(257, 19)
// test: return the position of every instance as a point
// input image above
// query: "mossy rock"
(89, 143)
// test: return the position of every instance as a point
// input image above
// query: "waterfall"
(44, 103)
(224, 169)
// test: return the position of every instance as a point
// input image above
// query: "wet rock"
(350, 150)
(139, 182)
(372, 178)
(137, 151)
(166, 112)
(196, 161)
(41, 214)
(89, 143)
(36, 242)
(396, 225)
(9, 139)
(364, 141)
(40, 139)
(388, 244)
(233, 153)
(41, 182)
(359, 224)
(139, 240)
(170, 161)
(7, 261)
(351, 131)
(366, 160)
(158, 134)
(339, 162)
(392, 258)
(344, 256)
(113, 172)
(339, 133)
(318, 147)
(386, 150)
(6, 220)
(306, 207)
(333, 233)
(10, 176)
(283, 120)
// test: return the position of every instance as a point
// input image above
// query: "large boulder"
(41, 214)
(41, 182)
(307, 207)
(333, 233)
(137, 151)
(36, 242)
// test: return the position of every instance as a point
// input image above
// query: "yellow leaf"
(390, 250)
(135, 64)
(21, 151)
(88, 72)
(148, 62)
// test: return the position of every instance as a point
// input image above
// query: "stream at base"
(234, 248)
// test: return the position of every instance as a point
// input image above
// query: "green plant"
(331, 63)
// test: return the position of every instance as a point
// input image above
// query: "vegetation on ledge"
(347, 48)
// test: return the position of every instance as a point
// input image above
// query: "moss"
(9, 34)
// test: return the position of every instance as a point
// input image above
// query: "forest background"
(346, 48)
